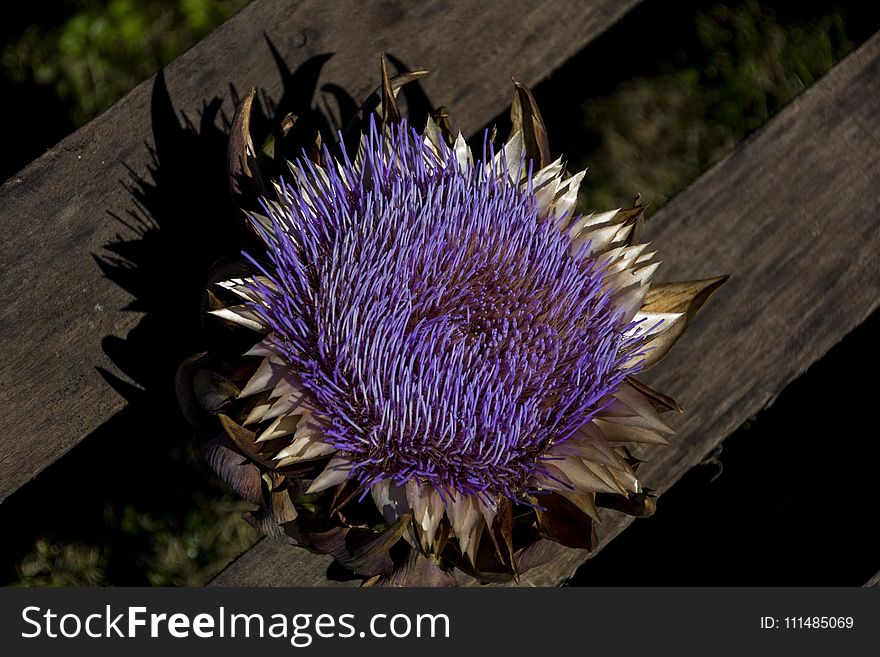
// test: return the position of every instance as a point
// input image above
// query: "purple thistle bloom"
(448, 338)
(443, 328)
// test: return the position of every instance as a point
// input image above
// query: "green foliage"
(106, 48)
(62, 564)
(166, 554)
(656, 132)
(179, 535)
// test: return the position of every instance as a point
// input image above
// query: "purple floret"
(441, 326)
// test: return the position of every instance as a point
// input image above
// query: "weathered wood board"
(793, 215)
(56, 307)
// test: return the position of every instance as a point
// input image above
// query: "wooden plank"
(792, 214)
(275, 561)
(59, 211)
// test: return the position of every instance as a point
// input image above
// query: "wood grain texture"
(793, 215)
(272, 562)
(55, 305)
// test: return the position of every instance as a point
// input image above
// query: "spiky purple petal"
(441, 325)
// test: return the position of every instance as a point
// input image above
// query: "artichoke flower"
(440, 353)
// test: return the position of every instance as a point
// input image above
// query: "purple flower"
(449, 338)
